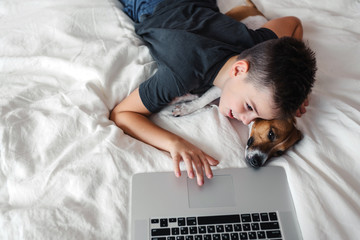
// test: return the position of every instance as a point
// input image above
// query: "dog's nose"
(255, 161)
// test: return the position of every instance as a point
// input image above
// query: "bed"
(65, 168)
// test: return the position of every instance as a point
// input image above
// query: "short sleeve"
(262, 34)
(160, 89)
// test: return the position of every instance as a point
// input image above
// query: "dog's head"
(270, 138)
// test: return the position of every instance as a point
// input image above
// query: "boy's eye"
(249, 107)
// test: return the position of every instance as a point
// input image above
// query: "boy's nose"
(246, 120)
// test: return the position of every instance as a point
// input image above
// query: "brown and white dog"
(268, 138)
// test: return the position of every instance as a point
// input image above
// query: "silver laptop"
(238, 203)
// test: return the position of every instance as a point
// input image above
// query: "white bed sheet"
(65, 169)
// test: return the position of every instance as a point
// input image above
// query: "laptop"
(237, 203)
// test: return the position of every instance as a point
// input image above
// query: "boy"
(267, 73)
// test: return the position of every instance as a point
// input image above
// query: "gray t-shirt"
(190, 41)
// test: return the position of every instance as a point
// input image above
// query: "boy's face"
(243, 101)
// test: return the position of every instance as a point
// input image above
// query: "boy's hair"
(287, 66)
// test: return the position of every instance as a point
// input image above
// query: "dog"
(268, 138)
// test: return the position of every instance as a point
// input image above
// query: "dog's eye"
(271, 135)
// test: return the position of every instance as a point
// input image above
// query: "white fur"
(185, 108)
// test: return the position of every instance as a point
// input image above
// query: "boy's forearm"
(298, 31)
(286, 27)
(141, 128)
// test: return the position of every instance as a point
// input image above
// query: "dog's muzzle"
(254, 157)
(255, 161)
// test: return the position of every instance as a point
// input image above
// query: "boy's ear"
(240, 67)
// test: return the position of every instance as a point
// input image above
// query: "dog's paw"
(183, 109)
(180, 110)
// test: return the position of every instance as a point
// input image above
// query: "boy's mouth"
(231, 114)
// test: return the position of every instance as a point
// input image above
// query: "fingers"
(196, 165)
(306, 102)
(176, 161)
(212, 161)
(302, 108)
(189, 166)
(196, 161)
(191, 162)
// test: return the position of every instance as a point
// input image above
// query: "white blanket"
(65, 168)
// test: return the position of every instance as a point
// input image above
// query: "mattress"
(65, 168)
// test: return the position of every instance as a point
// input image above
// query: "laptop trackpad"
(216, 192)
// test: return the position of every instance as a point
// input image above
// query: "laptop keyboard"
(218, 227)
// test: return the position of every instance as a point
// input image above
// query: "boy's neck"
(224, 73)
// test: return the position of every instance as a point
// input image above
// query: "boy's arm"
(132, 117)
(286, 27)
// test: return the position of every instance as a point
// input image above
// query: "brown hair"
(287, 66)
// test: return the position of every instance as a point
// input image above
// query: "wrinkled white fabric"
(65, 168)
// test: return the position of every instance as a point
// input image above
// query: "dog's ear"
(294, 137)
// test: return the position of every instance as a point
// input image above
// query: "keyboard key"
(273, 234)
(237, 227)
(252, 235)
(198, 237)
(255, 226)
(190, 221)
(181, 222)
(269, 225)
(245, 218)
(264, 217)
(216, 237)
(175, 231)
(219, 228)
(246, 227)
(163, 222)
(207, 220)
(229, 228)
(202, 229)
(170, 238)
(154, 221)
(207, 237)
(225, 236)
(193, 230)
(158, 238)
(184, 230)
(273, 216)
(180, 238)
(261, 235)
(243, 235)
(234, 236)
(160, 232)
(172, 220)
(211, 229)
(255, 217)
(189, 237)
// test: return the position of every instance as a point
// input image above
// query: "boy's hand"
(302, 108)
(132, 117)
(193, 158)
